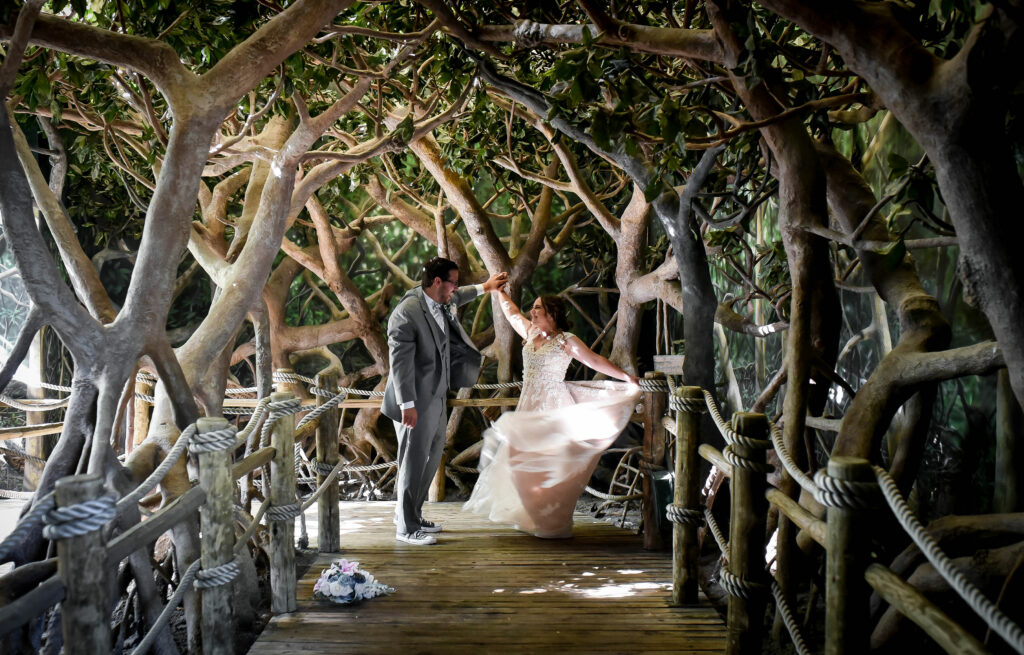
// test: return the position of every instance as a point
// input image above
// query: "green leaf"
(653, 188)
(897, 164)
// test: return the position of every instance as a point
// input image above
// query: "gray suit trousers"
(419, 454)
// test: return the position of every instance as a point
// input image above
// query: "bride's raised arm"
(599, 363)
(520, 323)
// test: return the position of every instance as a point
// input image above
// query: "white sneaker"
(430, 527)
(418, 538)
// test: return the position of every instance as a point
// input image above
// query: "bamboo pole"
(685, 554)
(653, 455)
(82, 565)
(328, 538)
(847, 624)
(282, 493)
(947, 633)
(749, 509)
(217, 522)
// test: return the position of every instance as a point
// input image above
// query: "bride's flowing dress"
(537, 460)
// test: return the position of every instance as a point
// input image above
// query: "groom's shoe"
(418, 538)
(429, 527)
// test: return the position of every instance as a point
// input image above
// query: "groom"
(430, 353)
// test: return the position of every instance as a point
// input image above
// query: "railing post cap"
(846, 467)
(73, 488)
(210, 423)
(689, 392)
(654, 375)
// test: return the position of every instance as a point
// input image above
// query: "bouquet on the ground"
(344, 582)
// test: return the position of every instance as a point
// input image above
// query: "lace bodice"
(544, 370)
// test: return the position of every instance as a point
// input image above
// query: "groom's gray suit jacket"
(419, 370)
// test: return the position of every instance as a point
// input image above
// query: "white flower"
(335, 589)
(359, 589)
(345, 590)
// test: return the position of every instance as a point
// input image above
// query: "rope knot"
(213, 441)
(284, 512)
(740, 587)
(683, 515)
(217, 576)
(691, 405)
(847, 494)
(81, 518)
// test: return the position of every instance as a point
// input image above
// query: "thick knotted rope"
(653, 385)
(787, 618)
(283, 512)
(988, 611)
(683, 515)
(787, 461)
(217, 576)
(612, 497)
(41, 406)
(80, 518)
(691, 405)
(158, 474)
(739, 587)
(716, 532)
(169, 609)
(27, 525)
(276, 410)
(848, 494)
(214, 440)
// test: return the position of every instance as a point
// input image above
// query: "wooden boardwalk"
(488, 589)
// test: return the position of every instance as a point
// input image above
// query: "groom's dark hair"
(437, 267)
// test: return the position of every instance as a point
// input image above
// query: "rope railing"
(982, 606)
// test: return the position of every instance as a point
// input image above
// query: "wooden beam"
(915, 606)
(814, 527)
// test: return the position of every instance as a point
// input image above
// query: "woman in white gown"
(537, 460)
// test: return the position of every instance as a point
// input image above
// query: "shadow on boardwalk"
(484, 588)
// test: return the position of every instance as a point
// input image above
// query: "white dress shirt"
(437, 311)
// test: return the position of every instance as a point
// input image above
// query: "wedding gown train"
(537, 460)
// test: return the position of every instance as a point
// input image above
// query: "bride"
(536, 460)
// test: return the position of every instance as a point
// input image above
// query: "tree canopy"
(817, 201)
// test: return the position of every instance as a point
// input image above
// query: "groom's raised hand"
(495, 282)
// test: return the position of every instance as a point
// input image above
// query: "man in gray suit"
(429, 353)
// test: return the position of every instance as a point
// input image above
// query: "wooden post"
(217, 523)
(687, 496)
(847, 624)
(653, 455)
(328, 512)
(140, 413)
(748, 511)
(82, 565)
(282, 493)
(294, 388)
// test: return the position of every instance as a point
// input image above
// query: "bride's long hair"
(557, 310)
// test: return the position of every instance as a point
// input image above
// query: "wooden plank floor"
(489, 589)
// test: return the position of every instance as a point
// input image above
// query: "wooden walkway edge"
(486, 588)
